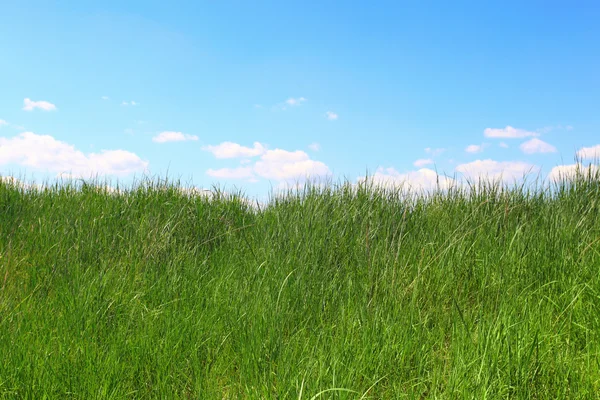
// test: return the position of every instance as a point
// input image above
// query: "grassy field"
(334, 292)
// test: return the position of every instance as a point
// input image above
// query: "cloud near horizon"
(44, 152)
(277, 164)
(421, 162)
(589, 153)
(506, 171)
(568, 172)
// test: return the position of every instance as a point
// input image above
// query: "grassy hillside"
(334, 292)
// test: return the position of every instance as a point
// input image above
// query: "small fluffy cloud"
(474, 148)
(434, 152)
(496, 170)
(424, 179)
(30, 105)
(536, 145)
(235, 150)
(129, 103)
(569, 172)
(421, 162)
(589, 153)
(503, 145)
(295, 101)
(508, 133)
(314, 146)
(3, 123)
(45, 152)
(169, 136)
(105, 97)
(331, 115)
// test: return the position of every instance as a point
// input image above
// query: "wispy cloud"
(508, 133)
(45, 152)
(331, 115)
(589, 153)
(30, 105)
(434, 152)
(475, 148)
(105, 98)
(314, 146)
(235, 150)
(295, 101)
(503, 145)
(421, 162)
(536, 145)
(129, 103)
(3, 123)
(169, 136)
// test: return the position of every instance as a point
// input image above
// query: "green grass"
(333, 292)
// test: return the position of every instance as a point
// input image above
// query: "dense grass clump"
(346, 292)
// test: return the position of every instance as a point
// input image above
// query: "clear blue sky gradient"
(401, 76)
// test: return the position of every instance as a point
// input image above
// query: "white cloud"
(496, 170)
(234, 150)
(421, 162)
(169, 136)
(278, 164)
(548, 129)
(285, 165)
(45, 152)
(314, 146)
(424, 179)
(295, 102)
(30, 105)
(105, 97)
(3, 123)
(129, 103)
(503, 145)
(569, 172)
(232, 173)
(474, 148)
(536, 145)
(589, 153)
(508, 132)
(331, 115)
(434, 152)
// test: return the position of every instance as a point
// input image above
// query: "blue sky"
(256, 95)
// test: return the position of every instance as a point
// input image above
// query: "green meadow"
(330, 292)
